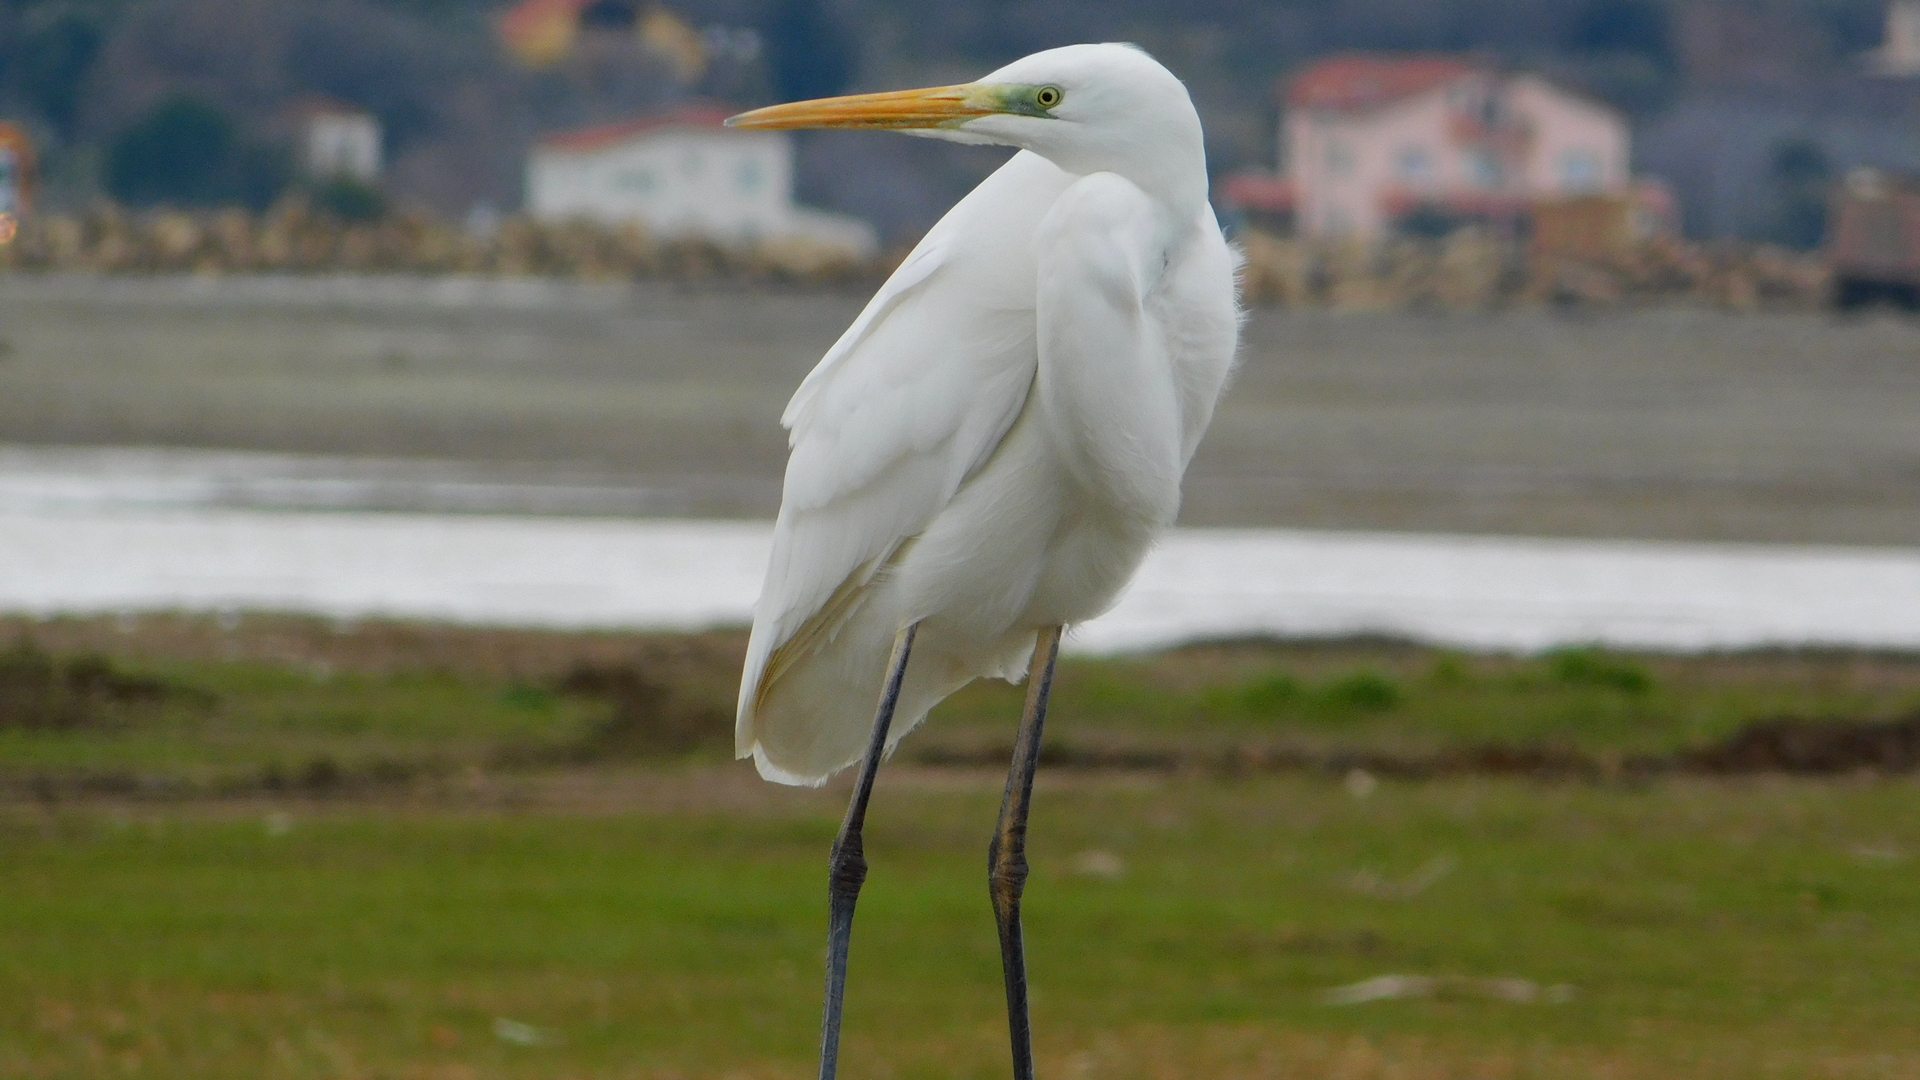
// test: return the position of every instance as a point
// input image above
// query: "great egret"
(986, 454)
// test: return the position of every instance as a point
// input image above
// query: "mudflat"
(1664, 423)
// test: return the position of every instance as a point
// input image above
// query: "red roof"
(526, 16)
(1396, 200)
(1365, 81)
(1258, 191)
(308, 107)
(593, 138)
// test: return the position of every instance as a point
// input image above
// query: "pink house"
(1370, 139)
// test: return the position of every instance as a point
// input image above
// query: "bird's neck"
(1181, 191)
(1170, 169)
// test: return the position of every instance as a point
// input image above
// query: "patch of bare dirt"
(41, 692)
(379, 646)
(1816, 747)
(1794, 746)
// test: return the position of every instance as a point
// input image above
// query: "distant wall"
(1570, 136)
(725, 186)
(1716, 150)
(1478, 141)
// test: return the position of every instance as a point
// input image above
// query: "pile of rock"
(1468, 269)
(293, 237)
(1471, 269)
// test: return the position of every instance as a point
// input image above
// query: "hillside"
(88, 76)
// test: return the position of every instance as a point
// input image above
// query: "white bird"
(988, 452)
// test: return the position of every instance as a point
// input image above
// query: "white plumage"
(993, 444)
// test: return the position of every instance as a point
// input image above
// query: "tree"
(809, 50)
(186, 152)
(1801, 174)
(1620, 26)
(50, 61)
(1622, 50)
(349, 199)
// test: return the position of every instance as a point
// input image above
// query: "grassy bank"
(199, 706)
(1178, 929)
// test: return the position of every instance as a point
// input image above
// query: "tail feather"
(814, 716)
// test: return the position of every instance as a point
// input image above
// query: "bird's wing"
(906, 405)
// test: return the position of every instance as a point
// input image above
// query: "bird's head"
(1086, 108)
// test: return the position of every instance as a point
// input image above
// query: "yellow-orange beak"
(935, 106)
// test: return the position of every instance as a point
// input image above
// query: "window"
(1484, 168)
(1579, 170)
(748, 176)
(1414, 164)
(1339, 158)
(640, 181)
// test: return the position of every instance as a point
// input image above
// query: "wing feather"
(908, 404)
(912, 272)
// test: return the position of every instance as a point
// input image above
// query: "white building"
(342, 143)
(12, 197)
(16, 176)
(1899, 53)
(683, 174)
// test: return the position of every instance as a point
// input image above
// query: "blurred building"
(1899, 53)
(1600, 228)
(1372, 142)
(684, 174)
(16, 172)
(1756, 146)
(1874, 240)
(340, 142)
(542, 32)
(1725, 44)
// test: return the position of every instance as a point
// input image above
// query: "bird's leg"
(848, 866)
(1007, 854)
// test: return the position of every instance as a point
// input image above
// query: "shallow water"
(1475, 592)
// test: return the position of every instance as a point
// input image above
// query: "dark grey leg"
(1007, 854)
(848, 866)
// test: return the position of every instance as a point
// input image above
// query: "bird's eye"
(1048, 96)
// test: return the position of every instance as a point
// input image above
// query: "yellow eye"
(1048, 96)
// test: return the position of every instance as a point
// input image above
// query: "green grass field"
(1177, 929)
(532, 859)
